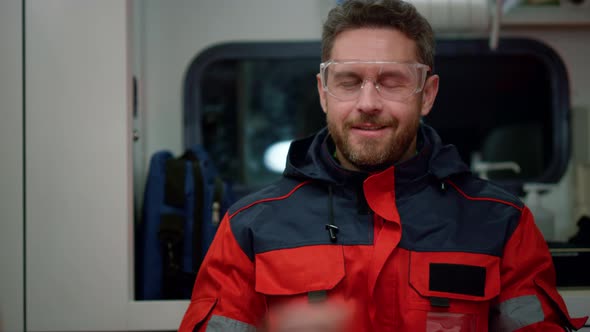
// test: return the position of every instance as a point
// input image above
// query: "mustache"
(372, 119)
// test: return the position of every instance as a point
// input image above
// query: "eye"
(393, 82)
(348, 84)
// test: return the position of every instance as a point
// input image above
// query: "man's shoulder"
(478, 189)
(469, 215)
(273, 193)
(277, 216)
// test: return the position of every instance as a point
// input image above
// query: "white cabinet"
(79, 229)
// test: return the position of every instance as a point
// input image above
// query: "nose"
(369, 99)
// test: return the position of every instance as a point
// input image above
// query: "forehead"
(369, 44)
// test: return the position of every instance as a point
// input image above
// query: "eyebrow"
(345, 74)
(394, 74)
(352, 74)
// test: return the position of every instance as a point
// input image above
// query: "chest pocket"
(310, 270)
(451, 291)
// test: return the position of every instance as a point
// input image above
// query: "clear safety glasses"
(394, 81)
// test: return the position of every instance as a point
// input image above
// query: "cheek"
(334, 120)
(338, 111)
(405, 114)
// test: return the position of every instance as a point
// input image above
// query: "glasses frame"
(416, 65)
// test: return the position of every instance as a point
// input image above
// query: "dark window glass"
(250, 105)
(499, 106)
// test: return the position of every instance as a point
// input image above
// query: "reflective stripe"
(516, 313)
(224, 324)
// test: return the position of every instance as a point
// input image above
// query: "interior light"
(275, 156)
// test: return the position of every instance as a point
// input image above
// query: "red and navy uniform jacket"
(421, 246)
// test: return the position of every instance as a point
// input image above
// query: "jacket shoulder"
(279, 190)
(475, 188)
(471, 215)
(259, 212)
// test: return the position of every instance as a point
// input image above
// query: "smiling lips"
(369, 130)
(370, 127)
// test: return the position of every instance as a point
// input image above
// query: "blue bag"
(184, 202)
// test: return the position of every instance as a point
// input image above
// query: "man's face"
(371, 132)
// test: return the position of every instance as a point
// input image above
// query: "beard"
(370, 154)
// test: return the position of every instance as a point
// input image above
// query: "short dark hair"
(396, 14)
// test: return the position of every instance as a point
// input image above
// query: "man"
(377, 226)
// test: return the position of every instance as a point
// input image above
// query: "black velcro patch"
(457, 278)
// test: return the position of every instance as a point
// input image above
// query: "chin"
(371, 161)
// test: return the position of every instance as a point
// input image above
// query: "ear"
(322, 94)
(429, 94)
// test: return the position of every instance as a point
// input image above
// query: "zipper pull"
(215, 213)
(333, 230)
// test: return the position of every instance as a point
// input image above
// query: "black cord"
(331, 226)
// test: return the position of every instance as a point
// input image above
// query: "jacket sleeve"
(529, 300)
(223, 297)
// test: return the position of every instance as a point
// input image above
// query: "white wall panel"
(79, 182)
(11, 167)
(77, 165)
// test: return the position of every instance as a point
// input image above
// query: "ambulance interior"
(239, 77)
(505, 101)
(507, 108)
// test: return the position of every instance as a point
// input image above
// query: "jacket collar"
(311, 158)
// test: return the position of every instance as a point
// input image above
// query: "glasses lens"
(394, 81)
(344, 80)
